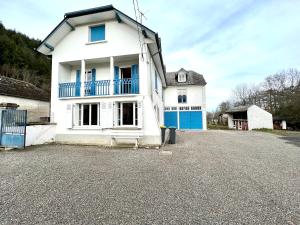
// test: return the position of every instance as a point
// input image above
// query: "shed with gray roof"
(29, 97)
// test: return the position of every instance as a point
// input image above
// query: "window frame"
(119, 111)
(181, 77)
(181, 93)
(124, 67)
(81, 112)
(90, 33)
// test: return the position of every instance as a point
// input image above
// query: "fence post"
(1, 122)
(25, 128)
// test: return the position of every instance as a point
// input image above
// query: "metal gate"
(13, 128)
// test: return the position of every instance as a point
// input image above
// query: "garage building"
(185, 100)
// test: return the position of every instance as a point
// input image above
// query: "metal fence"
(13, 128)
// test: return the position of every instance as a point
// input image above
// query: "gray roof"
(21, 89)
(192, 78)
(241, 108)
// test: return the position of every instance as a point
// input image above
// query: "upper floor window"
(181, 77)
(97, 33)
(182, 98)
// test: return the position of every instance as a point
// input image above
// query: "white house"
(107, 79)
(27, 96)
(185, 100)
(249, 117)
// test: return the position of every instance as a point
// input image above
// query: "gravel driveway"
(213, 177)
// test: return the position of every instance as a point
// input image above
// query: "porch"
(240, 124)
(99, 77)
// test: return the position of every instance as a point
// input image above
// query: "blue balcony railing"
(69, 89)
(96, 88)
(126, 86)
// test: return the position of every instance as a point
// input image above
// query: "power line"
(139, 20)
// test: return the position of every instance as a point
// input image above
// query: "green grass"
(217, 127)
(279, 132)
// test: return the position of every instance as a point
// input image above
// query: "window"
(182, 98)
(97, 33)
(125, 72)
(88, 75)
(88, 78)
(127, 114)
(89, 114)
(195, 107)
(184, 108)
(181, 77)
(156, 85)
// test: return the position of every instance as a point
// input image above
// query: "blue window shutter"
(135, 79)
(97, 33)
(93, 88)
(116, 80)
(77, 85)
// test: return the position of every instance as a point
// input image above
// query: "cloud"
(229, 42)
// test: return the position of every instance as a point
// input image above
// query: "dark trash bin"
(172, 135)
(163, 133)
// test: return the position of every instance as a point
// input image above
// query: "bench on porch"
(126, 136)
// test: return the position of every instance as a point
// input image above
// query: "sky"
(229, 42)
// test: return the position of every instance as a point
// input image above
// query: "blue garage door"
(190, 119)
(171, 119)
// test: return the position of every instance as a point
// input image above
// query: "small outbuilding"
(249, 117)
(279, 123)
(27, 97)
(185, 100)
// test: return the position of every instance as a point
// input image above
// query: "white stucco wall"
(40, 134)
(121, 39)
(157, 95)
(195, 96)
(35, 109)
(68, 56)
(259, 118)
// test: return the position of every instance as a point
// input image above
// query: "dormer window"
(181, 77)
(97, 33)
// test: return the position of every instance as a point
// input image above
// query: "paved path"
(213, 177)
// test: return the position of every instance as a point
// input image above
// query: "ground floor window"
(127, 113)
(89, 114)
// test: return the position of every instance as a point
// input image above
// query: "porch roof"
(242, 108)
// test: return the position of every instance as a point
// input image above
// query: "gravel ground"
(213, 177)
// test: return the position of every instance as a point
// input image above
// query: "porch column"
(112, 74)
(82, 77)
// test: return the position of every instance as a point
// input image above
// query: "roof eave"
(158, 44)
(85, 12)
(88, 12)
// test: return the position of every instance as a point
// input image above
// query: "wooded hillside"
(19, 60)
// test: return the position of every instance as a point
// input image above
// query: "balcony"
(69, 89)
(118, 75)
(96, 88)
(126, 86)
